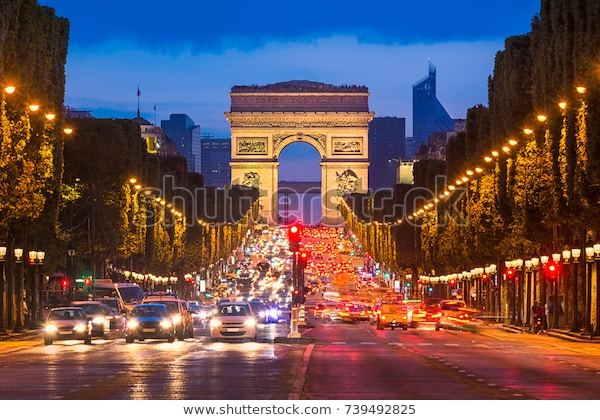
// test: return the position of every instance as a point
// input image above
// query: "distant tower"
(429, 115)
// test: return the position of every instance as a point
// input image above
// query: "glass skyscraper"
(216, 154)
(180, 128)
(429, 115)
(386, 142)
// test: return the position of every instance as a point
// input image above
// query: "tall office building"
(386, 141)
(180, 128)
(429, 115)
(216, 154)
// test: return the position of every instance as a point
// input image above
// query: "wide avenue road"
(347, 361)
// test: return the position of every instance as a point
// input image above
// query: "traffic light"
(510, 274)
(88, 281)
(64, 283)
(294, 238)
(298, 295)
(302, 259)
(552, 271)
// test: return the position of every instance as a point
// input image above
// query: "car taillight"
(382, 316)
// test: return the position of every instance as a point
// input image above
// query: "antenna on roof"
(138, 100)
(154, 114)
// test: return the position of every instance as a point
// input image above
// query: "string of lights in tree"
(158, 200)
(377, 223)
(35, 107)
(476, 171)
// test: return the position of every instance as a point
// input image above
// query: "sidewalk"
(16, 336)
(558, 333)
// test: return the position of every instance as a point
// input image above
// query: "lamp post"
(566, 264)
(535, 266)
(510, 283)
(528, 275)
(19, 289)
(597, 259)
(70, 270)
(518, 283)
(31, 293)
(2, 289)
(589, 259)
(40, 286)
(576, 327)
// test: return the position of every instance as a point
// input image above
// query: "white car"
(233, 320)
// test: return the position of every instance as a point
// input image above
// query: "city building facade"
(387, 136)
(216, 153)
(182, 130)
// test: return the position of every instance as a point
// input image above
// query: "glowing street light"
(68, 130)
(132, 180)
(581, 90)
(10, 89)
(528, 131)
(513, 142)
(542, 118)
(562, 105)
(50, 116)
(34, 107)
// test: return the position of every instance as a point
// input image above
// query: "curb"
(553, 333)
(20, 336)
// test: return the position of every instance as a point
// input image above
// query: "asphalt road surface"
(347, 361)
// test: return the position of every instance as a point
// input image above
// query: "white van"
(127, 294)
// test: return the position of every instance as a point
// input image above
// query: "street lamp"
(10, 89)
(19, 286)
(576, 327)
(589, 259)
(597, 259)
(2, 283)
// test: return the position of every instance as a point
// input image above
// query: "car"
(318, 310)
(354, 312)
(233, 320)
(455, 312)
(103, 318)
(127, 294)
(393, 316)
(150, 320)
(67, 323)
(180, 314)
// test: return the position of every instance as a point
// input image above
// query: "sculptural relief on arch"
(333, 119)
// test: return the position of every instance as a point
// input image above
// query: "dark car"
(102, 318)
(150, 320)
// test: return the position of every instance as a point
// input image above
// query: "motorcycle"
(538, 325)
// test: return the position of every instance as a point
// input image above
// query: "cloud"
(106, 77)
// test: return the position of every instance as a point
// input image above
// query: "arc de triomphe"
(333, 119)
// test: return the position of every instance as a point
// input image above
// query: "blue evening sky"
(185, 55)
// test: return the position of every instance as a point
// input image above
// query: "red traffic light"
(510, 273)
(552, 270)
(88, 281)
(64, 283)
(294, 229)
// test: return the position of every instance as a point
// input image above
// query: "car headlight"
(99, 320)
(80, 327)
(273, 313)
(203, 314)
(132, 324)
(262, 314)
(51, 329)
(176, 319)
(250, 323)
(215, 323)
(165, 324)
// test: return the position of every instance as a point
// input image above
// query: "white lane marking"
(491, 384)
(451, 344)
(367, 343)
(338, 342)
(300, 379)
(396, 344)
(424, 344)
(517, 395)
(480, 380)
(462, 371)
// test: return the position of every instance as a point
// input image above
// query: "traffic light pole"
(294, 319)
